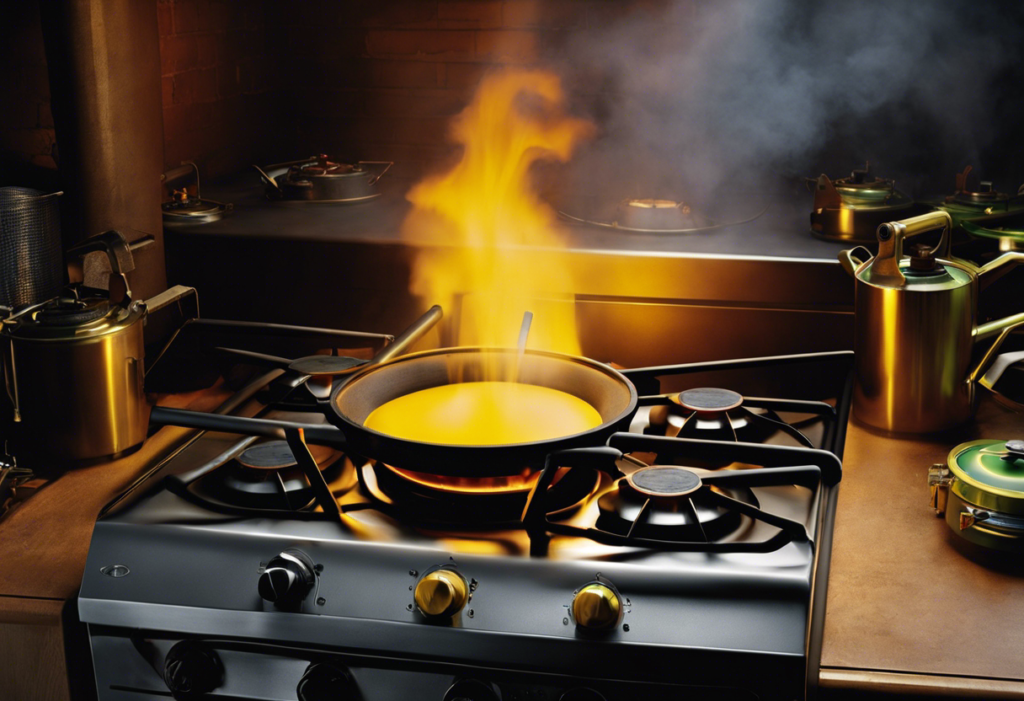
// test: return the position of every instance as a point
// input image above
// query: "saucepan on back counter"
(916, 327)
(74, 368)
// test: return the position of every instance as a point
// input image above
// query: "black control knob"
(471, 690)
(581, 694)
(192, 670)
(287, 579)
(325, 681)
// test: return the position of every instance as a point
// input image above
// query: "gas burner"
(724, 415)
(460, 502)
(654, 216)
(683, 508)
(319, 179)
(266, 476)
(667, 503)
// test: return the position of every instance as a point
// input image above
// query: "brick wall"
(27, 144)
(269, 80)
(380, 80)
(218, 73)
(257, 81)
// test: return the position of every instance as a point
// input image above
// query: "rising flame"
(469, 220)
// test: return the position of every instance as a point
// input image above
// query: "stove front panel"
(707, 623)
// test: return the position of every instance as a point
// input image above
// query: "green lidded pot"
(980, 490)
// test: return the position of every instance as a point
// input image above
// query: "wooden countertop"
(44, 541)
(911, 609)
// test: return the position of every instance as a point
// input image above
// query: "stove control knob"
(471, 690)
(324, 681)
(287, 579)
(192, 670)
(441, 593)
(597, 607)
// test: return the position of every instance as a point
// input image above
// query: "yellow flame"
(474, 222)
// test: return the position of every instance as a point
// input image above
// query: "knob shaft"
(597, 607)
(192, 670)
(324, 681)
(441, 593)
(287, 579)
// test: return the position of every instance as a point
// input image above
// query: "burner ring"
(710, 400)
(664, 482)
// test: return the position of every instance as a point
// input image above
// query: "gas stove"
(685, 557)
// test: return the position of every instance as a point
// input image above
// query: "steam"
(707, 93)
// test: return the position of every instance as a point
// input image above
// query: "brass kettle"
(916, 328)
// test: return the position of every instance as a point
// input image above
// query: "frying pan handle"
(408, 338)
(313, 433)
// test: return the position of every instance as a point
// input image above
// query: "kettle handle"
(850, 262)
(119, 253)
(890, 243)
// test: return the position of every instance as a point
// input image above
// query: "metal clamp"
(970, 515)
(939, 481)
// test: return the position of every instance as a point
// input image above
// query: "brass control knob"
(441, 593)
(597, 607)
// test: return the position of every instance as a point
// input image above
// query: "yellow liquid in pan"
(483, 413)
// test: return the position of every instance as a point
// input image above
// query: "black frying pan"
(385, 378)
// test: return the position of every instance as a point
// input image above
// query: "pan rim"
(631, 406)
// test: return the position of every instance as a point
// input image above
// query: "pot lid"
(192, 210)
(66, 318)
(944, 275)
(862, 187)
(324, 166)
(990, 473)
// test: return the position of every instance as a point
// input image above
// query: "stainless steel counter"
(762, 288)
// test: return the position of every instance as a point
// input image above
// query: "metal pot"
(916, 329)
(74, 366)
(980, 491)
(849, 209)
(322, 180)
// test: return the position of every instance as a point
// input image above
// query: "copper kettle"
(916, 328)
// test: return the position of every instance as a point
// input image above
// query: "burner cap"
(315, 365)
(710, 400)
(665, 481)
(272, 455)
(276, 455)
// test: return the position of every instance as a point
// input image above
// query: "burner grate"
(777, 466)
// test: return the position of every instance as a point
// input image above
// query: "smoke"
(701, 96)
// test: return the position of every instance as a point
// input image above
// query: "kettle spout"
(995, 269)
(1004, 327)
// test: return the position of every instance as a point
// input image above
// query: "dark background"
(919, 89)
